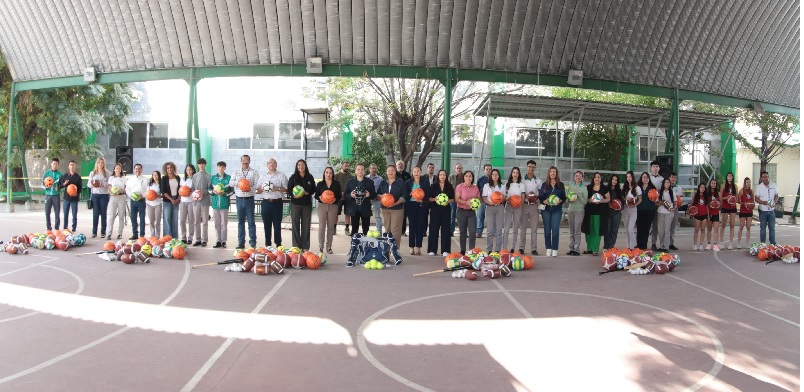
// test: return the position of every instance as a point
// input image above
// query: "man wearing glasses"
(530, 209)
(274, 185)
(245, 201)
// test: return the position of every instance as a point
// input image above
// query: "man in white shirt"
(656, 180)
(766, 197)
(530, 211)
(245, 201)
(137, 183)
(677, 191)
(274, 185)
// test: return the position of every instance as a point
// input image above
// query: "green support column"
(205, 144)
(497, 145)
(632, 147)
(673, 144)
(12, 114)
(446, 133)
(88, 166)
(729, 163)
(193, 139)
(347, 139)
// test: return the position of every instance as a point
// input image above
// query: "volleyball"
(298, 191)
(597, 198)
(136, 196)
(554, 200)
(572, 196)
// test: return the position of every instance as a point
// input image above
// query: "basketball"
(616, 205)
(417, 194)
(474, 203)
(553, 200)
(184, 191)
(532, 198)
(653, 195)
(442, 199)
(48, 182)
(714, 204)
(72, 190)
(497, 197)
(298, 191)
(679, 201)
(151, 195)
(327, 197)
(515, 201)
(197, 195)
(731, 200)
(749, 205)
(244, 185)
(387, 200)
(692, 211)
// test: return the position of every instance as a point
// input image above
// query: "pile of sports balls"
(52, 239)
(476, 264)
(265, 261)
(640, 262)
(770, 253)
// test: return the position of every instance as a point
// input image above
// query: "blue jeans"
(453, 209)
(99, 204)
(53, 202)
(271, 212)
(170, 219)
(767, 220)
(67, 206)
(138, 209)
(552, 220)
(481, 218)
(245, 211)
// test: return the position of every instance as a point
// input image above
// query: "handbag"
(89, 204)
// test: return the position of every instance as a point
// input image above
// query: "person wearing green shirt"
(575, 212)
(221, 190)
(50, 181)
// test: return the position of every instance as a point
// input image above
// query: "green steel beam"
(729, 147)
(496, 145)
(388, 71)
(12, 113)
(673, 131)
(446, 132)
(193, 139)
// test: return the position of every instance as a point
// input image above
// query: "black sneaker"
(521, 251)
(673, 247)
(217, 245)
(350, 264)
(586, 252)
(185, 242)
(240, 246)
(197, 243)
(653, 247)
(223, 244)
(204, 243)
(534, 252)
(133, 237)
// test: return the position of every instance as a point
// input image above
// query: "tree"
(402, 115)
(604, 145)
(773, 132)
(363, 148)
(62, 118)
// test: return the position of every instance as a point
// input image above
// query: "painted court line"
(752, 280)
(737, 301)
(97, 341)
(219, 352)
(512, 299)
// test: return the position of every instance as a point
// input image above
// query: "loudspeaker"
(665, 165)
(124, 155)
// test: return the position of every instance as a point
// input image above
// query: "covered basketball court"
(721, 321)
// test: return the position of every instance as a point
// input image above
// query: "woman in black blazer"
(327, 212)
(440, 215)
(301, 208)
(357, 196)
(417, 210)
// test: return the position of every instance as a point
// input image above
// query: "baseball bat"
(443, 270)
(769, 261)
(95, 253)
(219, 263)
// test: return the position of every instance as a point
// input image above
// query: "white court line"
(512, 299)
(752, 280)
(737, 301)
(97, 341)
(219, 352)
(77, 292)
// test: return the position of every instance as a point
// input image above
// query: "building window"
(158, 135)
(138, 135)
(316, 140)
(533, 142)
(264, 137)
(290, 136)
(239, 143)
(142, 135)
(118, 139)
(650, 147)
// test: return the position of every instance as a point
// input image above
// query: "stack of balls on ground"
(271, 260)
(768, 253)
(479, 264)
(640, 262)
(143, 249)
(52, 239)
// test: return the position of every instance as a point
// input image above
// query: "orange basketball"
(528, 262)
(151, 195)
(762, 254)
(312, 260)
(72, 190)
(515, 201)
(179, 252)
(244, 185)
(417, 194)
(184, 191)
(48, 182)
(108, 245)
(387, 200)
(653, 195)
(497, 197)
(679, 201)
(328, 197)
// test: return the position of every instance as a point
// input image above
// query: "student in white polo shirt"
(766, 197)
(530, 210)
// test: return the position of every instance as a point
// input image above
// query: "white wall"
(788, 172)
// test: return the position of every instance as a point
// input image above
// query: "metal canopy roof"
(737, 48)
(559, 109)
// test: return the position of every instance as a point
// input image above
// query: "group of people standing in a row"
(425, 201)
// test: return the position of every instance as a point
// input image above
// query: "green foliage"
(609, 97)
(773, 131)
(365, 151)
(604, 145)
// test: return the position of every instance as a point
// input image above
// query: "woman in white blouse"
(513, 215)
(494, 211)
(99, 186)
(186, 217)
(117, 201)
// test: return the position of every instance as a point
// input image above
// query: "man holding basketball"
(71, 201)
(244, 200)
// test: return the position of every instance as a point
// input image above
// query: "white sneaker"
(445, 254)
(708, 247)
(716, 248)
(695, 248)
(730, 246)
(555, 253)
(431, 254)
(739, 245)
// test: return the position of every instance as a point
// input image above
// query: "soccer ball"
(597, 197)
(298, 191)
(197, 195)
(442, 199)
(474, 203)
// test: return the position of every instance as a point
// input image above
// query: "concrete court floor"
(721, 321)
